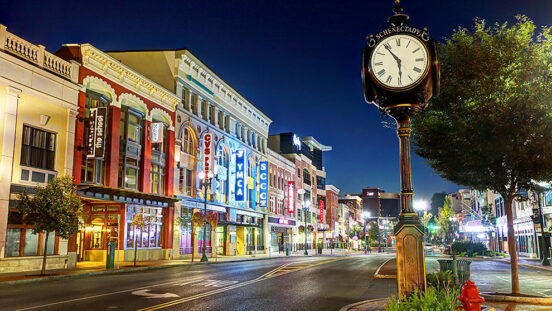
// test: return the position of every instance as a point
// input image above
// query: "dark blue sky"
(297, 61)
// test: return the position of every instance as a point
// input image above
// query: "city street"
(299, 283)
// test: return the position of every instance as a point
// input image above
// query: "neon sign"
(263, 177)
(207, 152)
(291, 196)
(282, 221)
(240, 175)
(297, 141)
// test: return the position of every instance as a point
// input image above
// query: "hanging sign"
(241, 185)
(96, 132)
(207, 152)
(291, 196)
(321, 211)
(263, 185)
(157, 132)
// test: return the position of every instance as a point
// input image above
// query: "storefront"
(281, 233)
(108, 218)
(249, 231)
(524, 232)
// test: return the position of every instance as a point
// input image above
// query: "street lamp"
(206, 181)
(305, 207)
(420, 205)
(365, 215)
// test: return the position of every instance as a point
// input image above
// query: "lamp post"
(544, 245)
(305, 208)
(206, 181)
(365, 215)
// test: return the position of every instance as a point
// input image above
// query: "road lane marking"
(108, 294)
(266, 276)
(215, 283)
(145, 293)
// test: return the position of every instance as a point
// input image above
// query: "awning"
(102, 193)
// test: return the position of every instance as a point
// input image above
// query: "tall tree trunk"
(44, 254)
(512, 246)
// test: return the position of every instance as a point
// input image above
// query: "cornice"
(114, 70)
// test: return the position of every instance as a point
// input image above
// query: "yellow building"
(38, 108)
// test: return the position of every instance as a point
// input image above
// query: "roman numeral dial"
(399, 61)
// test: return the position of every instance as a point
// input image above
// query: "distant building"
(379, 203)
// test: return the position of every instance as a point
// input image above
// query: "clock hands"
(398, 61)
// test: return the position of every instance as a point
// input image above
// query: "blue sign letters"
(241, 185)
(263, 192)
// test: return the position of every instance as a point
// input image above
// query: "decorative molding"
(131, 100)
(164, 115)
(104, 64)
(101, 86)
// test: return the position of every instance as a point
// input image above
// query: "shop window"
(93, 169)
(13, 242)
(38, 148)
(20, 240)
(150, 236)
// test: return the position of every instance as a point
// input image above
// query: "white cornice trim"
(164, 115)
(131, 100)
(101, 86)
(112, 69)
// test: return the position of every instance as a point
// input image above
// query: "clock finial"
(399, 18)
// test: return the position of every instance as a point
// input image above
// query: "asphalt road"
(295, 283)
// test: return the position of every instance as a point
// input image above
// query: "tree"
(373, 231)
(139, 222)
(491, 127)
(53, 208)
(426, 218)
(447, 224)
(488, 220)
(437, 202)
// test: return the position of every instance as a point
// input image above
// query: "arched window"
(189, 142)
(222, 173)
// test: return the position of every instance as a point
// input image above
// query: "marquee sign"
(263, 177)
(207, 152)
(321, 203)
(96, 133)
(241, 185)
(291, 196)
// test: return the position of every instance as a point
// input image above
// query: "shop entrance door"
(240, 240)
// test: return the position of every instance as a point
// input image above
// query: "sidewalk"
(97, 267)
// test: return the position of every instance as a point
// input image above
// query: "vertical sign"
(263, 177)
(207, 152)
(291, 196)
(241, 185)
(322, 211)
(96, 132)
(157, 132)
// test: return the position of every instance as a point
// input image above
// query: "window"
(130, 148)
(92, 169)
(38, 148)
(20, 240)
(157, 179)
(158, 155)
(189, 143)
(306, 176)
(193, 104)
(151, 235)
(299, 172)
(185, 99)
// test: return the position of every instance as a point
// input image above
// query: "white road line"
(108, 294)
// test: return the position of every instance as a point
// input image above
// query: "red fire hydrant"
(470, 297)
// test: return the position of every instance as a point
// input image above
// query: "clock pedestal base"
(410, 255)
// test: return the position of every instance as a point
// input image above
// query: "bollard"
(471, 301)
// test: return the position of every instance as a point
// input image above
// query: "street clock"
(400, 66)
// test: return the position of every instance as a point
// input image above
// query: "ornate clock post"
(400, 73)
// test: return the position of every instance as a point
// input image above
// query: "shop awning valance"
(102, 193)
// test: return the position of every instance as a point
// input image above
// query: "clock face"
(399, 61)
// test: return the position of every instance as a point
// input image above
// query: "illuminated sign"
(96, 132)
(241, 185)
(263, 185)
(157, 132)
(291, 196)
(321, 211)
(207, 152)
(297, 141)
(282, 221)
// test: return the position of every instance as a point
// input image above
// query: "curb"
(384, 276)
(129, 270)
(347, 307)
(489, 297)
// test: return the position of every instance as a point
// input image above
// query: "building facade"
(331, 212)
(125, 151)
(38, 108)
(212, 119)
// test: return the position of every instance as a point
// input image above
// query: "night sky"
(297, 61)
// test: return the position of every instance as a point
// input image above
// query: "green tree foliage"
(447, 224)
(373, 231)
(53, 208)
(437, 202)
(491, 127)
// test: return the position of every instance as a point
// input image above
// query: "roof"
(314, 142)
